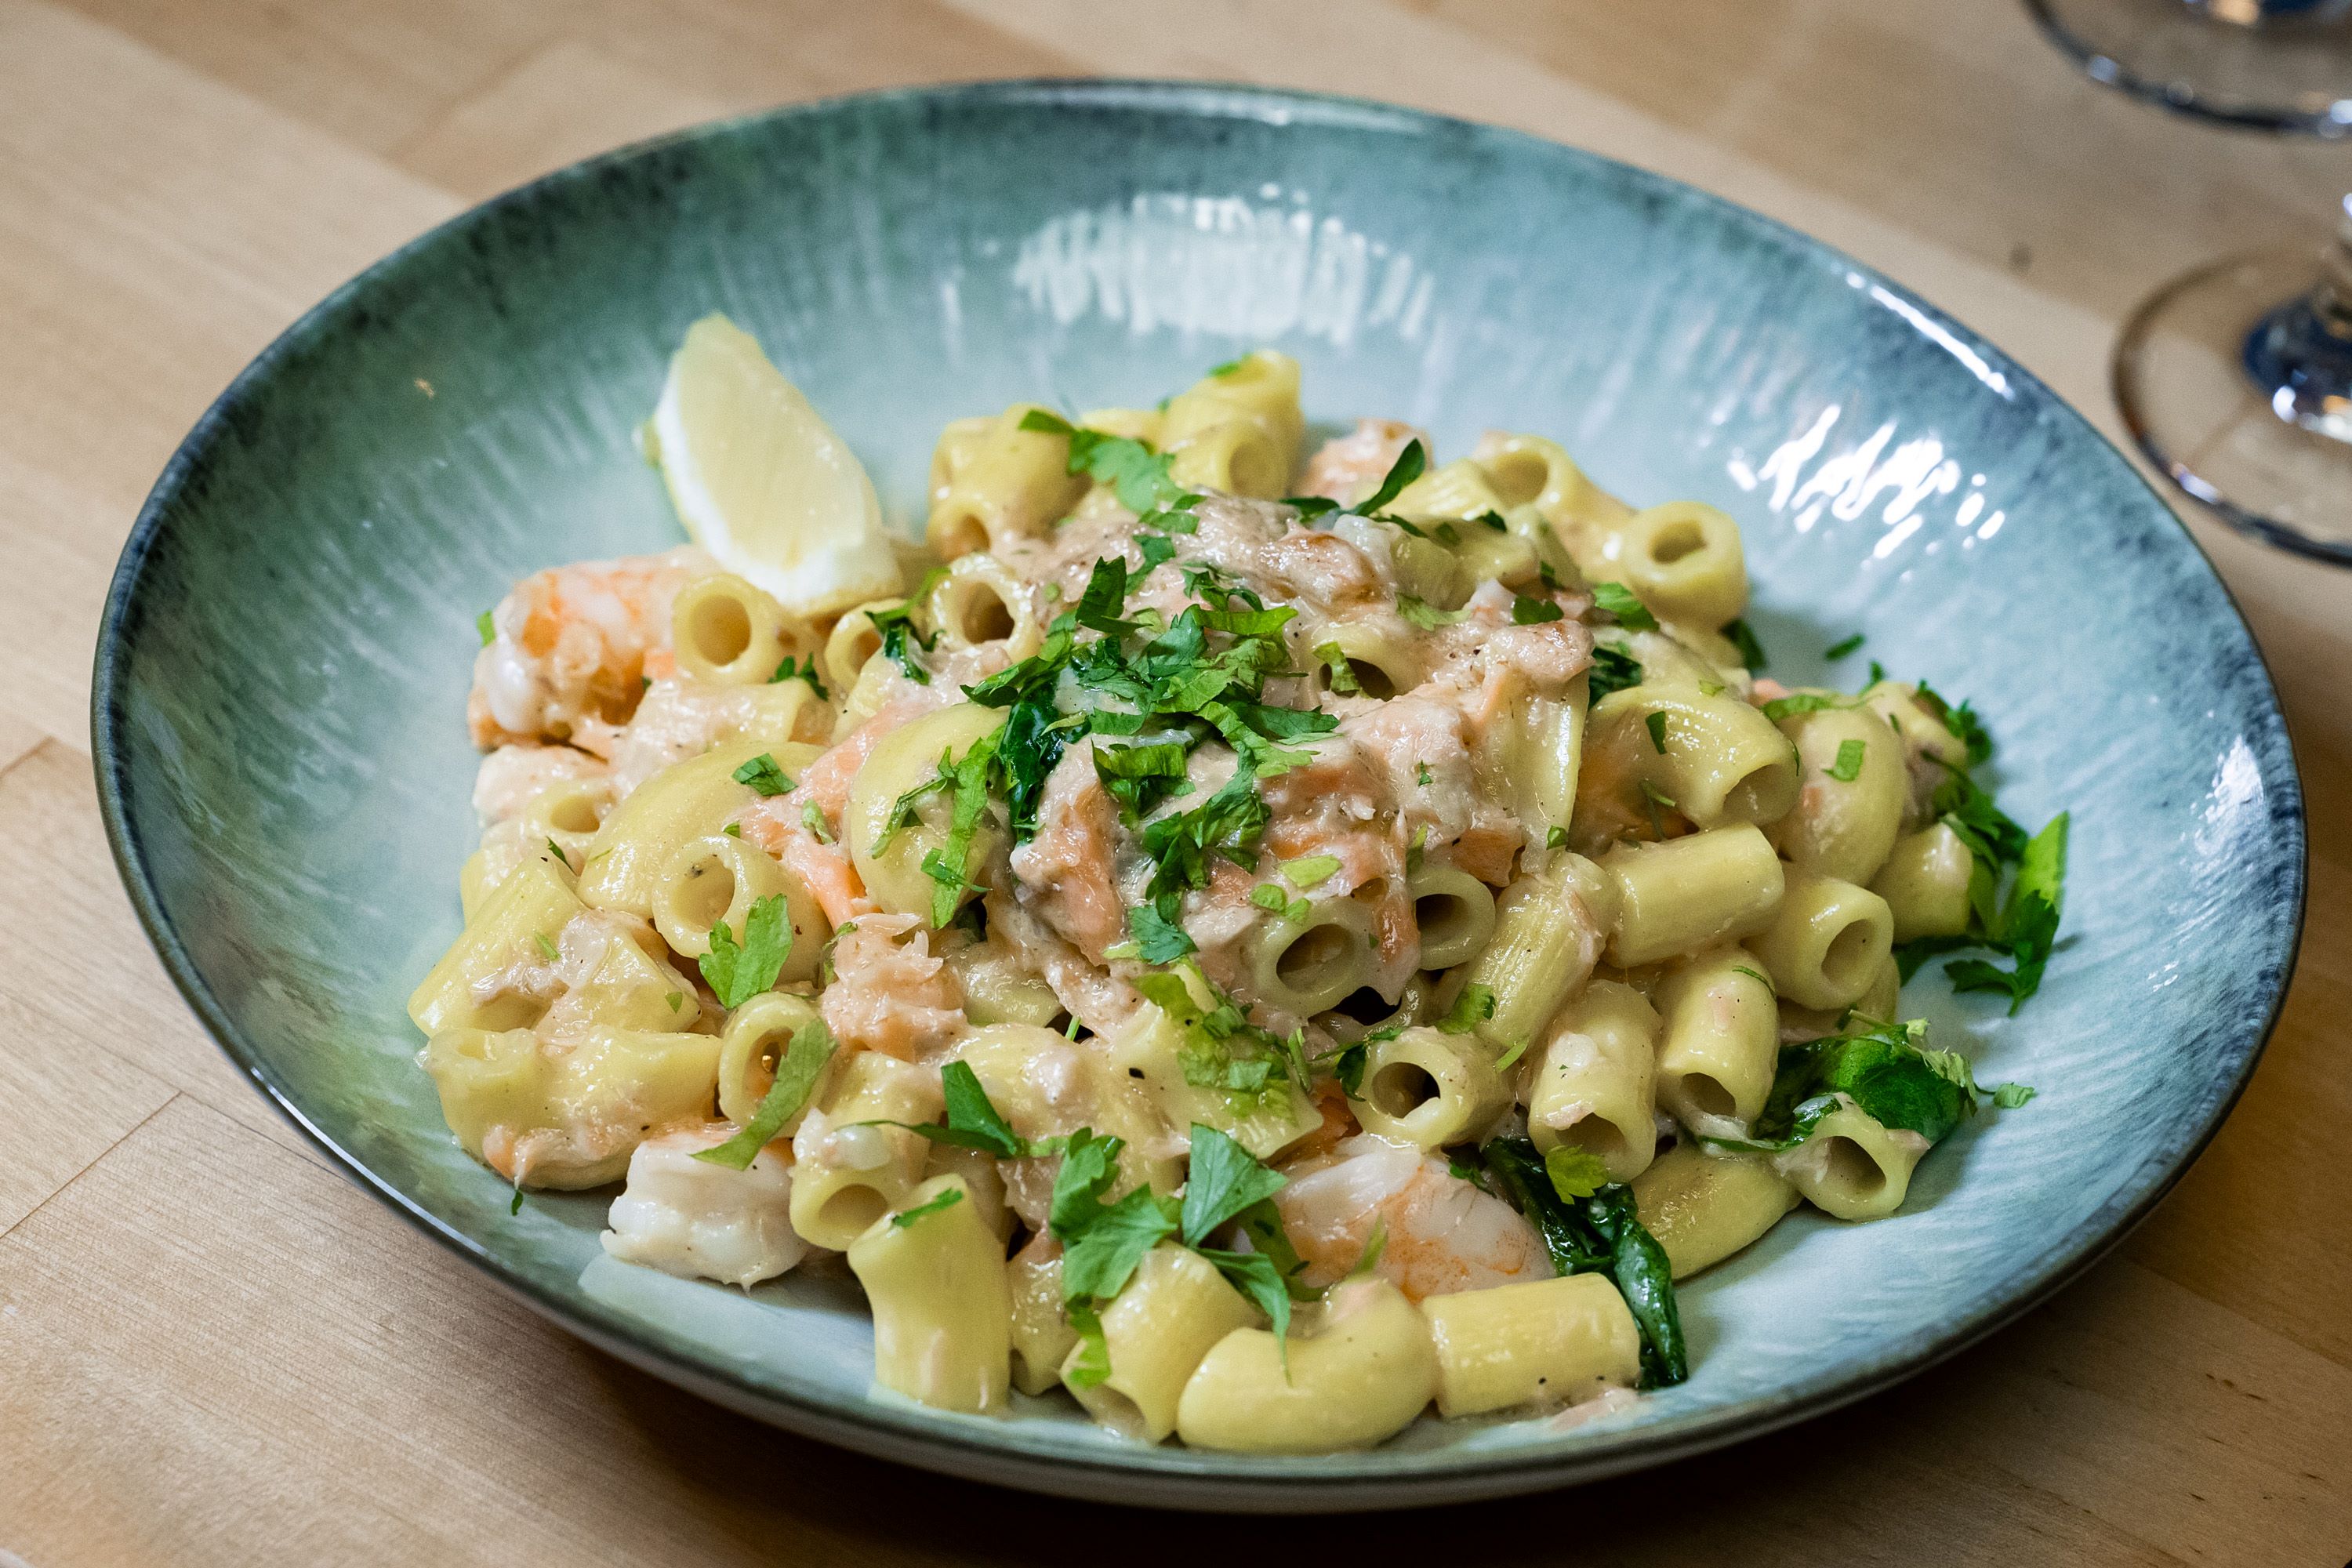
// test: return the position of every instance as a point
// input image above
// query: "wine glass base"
(2289, 71)
(2260, 458)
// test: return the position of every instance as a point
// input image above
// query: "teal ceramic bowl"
(282, 672)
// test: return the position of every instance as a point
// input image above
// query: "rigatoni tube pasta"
(1369, 1369)
(1198, 952)
(934, 1277)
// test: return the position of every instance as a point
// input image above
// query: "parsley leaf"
(797, 1071)
(1402, 473)
(2009, 1095)
(1841, 648)
(1963, 722)
(1228, 368)
(1092, 1366)
(1254, 1274)
(1472, 1008)
(1158, 938)
(738, 973)
(802, 669)
(2028, 926)
(489, 631)
(1140, 777)
(1743, 637)
(1309, 870)
(1100, 1259)
(1614, 669)
(762, 775)
(1342, 674)
(813, 818)
(1798, 702)
(1555, 838)
(1425, 617)
(1223, 1049)
(947, 1197)
(1574, 1172)
(1618, 600)
(1223, 1180)
(974, 1121)
(1848, 766)
(1268, 897)
(1656, 723)
(1527, 612)
(896, 624)
(1134, 472)
(557, 850)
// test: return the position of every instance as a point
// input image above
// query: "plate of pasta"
(1058, 781)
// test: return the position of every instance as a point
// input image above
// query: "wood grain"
(213, 1350)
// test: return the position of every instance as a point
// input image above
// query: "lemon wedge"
(761, 483)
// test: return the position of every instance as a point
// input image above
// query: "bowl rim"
(1169, 1476)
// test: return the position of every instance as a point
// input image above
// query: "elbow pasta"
(1380, 857)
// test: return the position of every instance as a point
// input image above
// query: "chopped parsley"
(896, 624)
(947, 1197)
(1848, 766)
(738, 973)
(1426, 617)
(1614, 669)
(1527, 612)
(1159, 938)
(483, 624)
(1656, 723)
(1618, 600)
(762, 775)
(1223, 1049)
(557, 850)
(813, 818)
(1134, 472)
(1574, 1172)
(1885, 1070)
(801, 669)
(1342, 674)
(1420, 776)
(2022, 925)
(1798, 702)
(1309, 870)
(1963, 722)
(1841, 648)
(1402, 473)
(797, 1071)
(547, 948)
(1743, 637)
(973, 1121)
(1555, 838)
(1218, 372)
(1281, 905)
(1472, 1008)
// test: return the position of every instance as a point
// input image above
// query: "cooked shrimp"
(511, 775)
(1349, 468)
(701, 1220)
(1442, 1233)
(888, 994)
(573, 647)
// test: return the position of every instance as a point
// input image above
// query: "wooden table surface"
(216, 1349)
